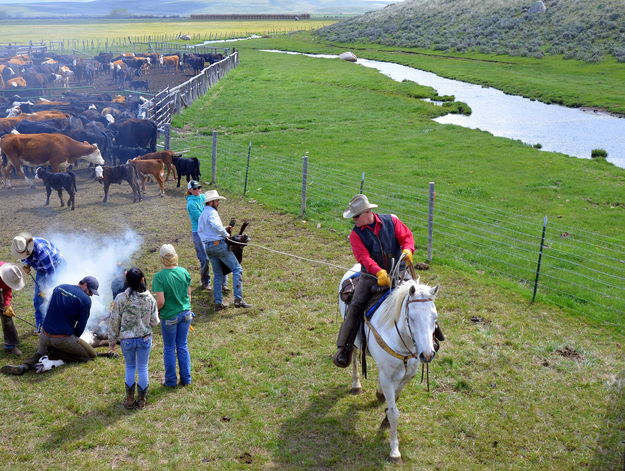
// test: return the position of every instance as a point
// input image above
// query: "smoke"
(101, 256)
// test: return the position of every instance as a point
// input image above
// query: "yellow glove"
(26, 269)
(383, 279)
(408, 256)
(8, 311)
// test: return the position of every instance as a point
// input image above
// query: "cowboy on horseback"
(377, 240)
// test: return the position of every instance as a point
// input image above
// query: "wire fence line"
(581, 271)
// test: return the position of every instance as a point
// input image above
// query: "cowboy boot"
(345, 341)
(142, 399)
(129, 402)
(14, 370)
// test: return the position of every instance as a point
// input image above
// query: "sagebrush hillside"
(578, 29)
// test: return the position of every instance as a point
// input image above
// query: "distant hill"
(185, 7)
(582, 29)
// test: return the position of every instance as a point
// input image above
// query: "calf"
(236, 243)
(117, 174)
(137, 84)
(189, 167)
(167, 156)
(59, 182)
(153, 168)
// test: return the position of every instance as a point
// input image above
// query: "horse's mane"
(395, 301)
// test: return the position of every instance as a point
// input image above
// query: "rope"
(319, 262)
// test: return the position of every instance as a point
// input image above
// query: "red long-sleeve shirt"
(6, 291)
(402, 234)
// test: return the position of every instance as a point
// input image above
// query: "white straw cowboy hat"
(212, 195)
(22, 245)
(358, 205)
(12, 276)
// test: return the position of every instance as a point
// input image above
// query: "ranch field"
(514, 387)
(22, 31)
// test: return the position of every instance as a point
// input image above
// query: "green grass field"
(350, 119)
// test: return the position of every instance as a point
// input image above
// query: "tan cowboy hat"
(212, 195)
(12, 276)
(358, 205)
(22, 245)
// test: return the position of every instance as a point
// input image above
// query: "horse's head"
(421, 319)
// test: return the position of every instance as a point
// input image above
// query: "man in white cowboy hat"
(213, 236)
(68, 313)
(376, 240)
(195, 205)
(11, 278)
(46, 259)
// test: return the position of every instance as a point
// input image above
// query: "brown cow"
(16, 82)
(56, 150)
(171, 62)
(167, 156)
(153, 168)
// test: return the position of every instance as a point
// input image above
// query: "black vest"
(384, 247)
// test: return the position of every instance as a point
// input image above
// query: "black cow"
(59, 182)
(122, 154)
(194, 62)
(236, 243)
(137, 84)
(118, 174)
(35, 127)
(189, 167)
(135, 133)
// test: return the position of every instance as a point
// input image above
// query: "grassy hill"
(583, 30)
(185, 7)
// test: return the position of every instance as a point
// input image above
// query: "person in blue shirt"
(68, 313)
(46, 259)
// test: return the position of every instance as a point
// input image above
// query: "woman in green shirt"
(172, 289)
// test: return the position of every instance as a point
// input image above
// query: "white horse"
(399, 338)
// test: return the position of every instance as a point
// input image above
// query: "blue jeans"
(221, 252)
(204, 262)
(42, 282)
(137, 353)
(175, 333)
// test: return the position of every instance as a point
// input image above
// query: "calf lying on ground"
(187, 166)
(153, 168)
(118, 174)
(59, 182)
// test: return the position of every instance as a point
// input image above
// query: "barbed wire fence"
(580, 271)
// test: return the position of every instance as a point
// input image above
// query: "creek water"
(572, 131)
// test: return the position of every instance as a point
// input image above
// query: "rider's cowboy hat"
(358, 205)
(22, 245)
(212, 195)
(12, 276)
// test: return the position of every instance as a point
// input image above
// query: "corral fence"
(580, 271)
(171, 100)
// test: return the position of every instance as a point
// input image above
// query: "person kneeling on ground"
(65, 321)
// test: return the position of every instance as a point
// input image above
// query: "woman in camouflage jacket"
(133, 315)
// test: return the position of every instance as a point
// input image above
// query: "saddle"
(347, 292)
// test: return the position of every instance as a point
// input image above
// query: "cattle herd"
(105, 129)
